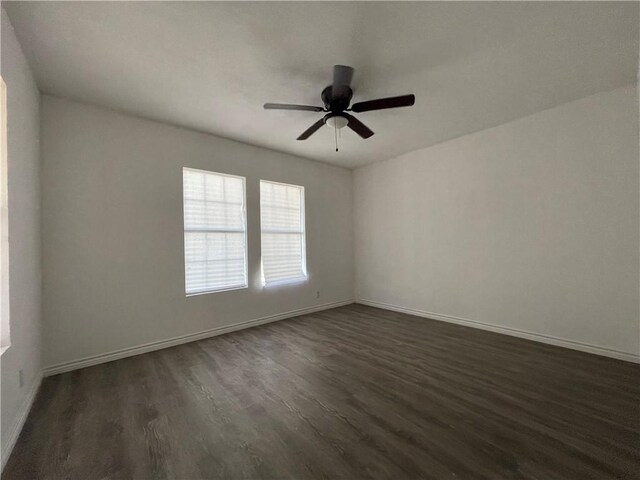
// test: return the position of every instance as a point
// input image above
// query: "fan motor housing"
(336, 104)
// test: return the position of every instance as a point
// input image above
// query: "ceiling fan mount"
(336, 99)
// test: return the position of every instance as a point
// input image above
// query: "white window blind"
(282, 228)
(215, 233)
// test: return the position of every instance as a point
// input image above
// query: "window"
(215, 231)
(5, 339)
(282, 226)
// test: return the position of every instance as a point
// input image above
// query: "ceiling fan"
(336, 98)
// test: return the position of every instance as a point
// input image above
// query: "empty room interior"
(320, 240)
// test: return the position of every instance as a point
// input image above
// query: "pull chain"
(335, 128)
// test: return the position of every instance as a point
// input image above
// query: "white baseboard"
(514, 332)
(158, 345)
(23, 413)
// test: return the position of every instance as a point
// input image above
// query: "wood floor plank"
(353, 392)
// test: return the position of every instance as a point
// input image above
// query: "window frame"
(5, 315)
(303, 220)
(246, 237)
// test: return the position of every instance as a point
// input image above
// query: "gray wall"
(532, 226)
(113, 232)
(23, 166)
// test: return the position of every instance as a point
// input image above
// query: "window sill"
(287, 282)
(230, 289)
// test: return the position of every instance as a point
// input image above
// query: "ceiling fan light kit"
(336, 98)
(336, 121)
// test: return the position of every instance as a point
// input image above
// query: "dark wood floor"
(353, 392)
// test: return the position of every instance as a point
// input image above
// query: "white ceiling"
(211, 66)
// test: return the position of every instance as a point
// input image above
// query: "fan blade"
(357, 126)
(287, 106)
(382, 103)
(342, 76)
(311, 130)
